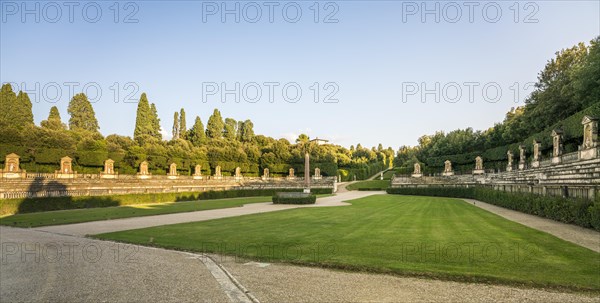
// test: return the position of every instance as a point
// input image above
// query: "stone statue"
(590, 139)
(109, 167)
(173, 169)
(144, 168)
(447, 166)
(509, 165)
(478, 163)
(417, 169)
(198, 170)
(218, 174)
(266, 173)
(238, 172)
(66, 166)
(291, 174)
(536, 150)
(11, 167)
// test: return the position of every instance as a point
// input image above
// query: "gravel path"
(581, 236)
(42, 267)
(99, 227)
(288, 283)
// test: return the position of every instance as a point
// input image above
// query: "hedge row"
(310, 199)
(29, 205)
(584, 213)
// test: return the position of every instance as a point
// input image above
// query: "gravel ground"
(85, 270)
(288, 283)
(581, 236)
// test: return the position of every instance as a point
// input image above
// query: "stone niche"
(198, 172)
(417, 171)
(66, 169)
(12, 168)
(144, 173)
(589, 148)
(172, 171)
(557, 146)
(535, 163)
(109, 170)
(317, 175)
(448, 169)
(478, 166)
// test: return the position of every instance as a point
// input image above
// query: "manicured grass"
(107, 213)
(435, 237)
(369, 185)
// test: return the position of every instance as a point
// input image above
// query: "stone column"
(521, 157)
(306, 172)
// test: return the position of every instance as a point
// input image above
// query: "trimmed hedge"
(584, 213)
(30, 205)
(310, 199)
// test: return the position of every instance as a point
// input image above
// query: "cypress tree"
(215, 125)
(197, 135)
(54, 121)
(176, 126)
(24, 115)
(230, 129)
(155, 125)
(7, 103)
(143, 119)
(182, 125)
(82, 114)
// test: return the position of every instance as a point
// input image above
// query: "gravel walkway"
(581, 236)
(288, 283)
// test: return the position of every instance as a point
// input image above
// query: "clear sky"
(377, 63)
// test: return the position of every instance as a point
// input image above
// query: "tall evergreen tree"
(7, 103)
(215, 125)
(24, 114)
(143, 120)
(197, 135)
(82, 114)
(176, 126)
(155, 122)
(230, 129)
(16, 109)
(54, 121)
(182, 124)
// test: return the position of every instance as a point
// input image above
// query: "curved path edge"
(581, 236)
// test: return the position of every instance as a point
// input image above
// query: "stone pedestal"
(521, 166)
(479, 172)
(587, 154)
(108, 176)
(448, 173)
(140, 176)
(509, 168)
(556, 160)
(535, 164)
(417, 175)
(20, 175)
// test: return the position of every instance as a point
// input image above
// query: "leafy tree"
(230, 129)
(54, 121)
(215, 125)
(246, 131)
(176, 126)
(82, 114)
(197, 135)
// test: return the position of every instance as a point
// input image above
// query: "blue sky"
(376, 61)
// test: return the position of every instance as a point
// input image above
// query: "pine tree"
(143, 121)
(82, 114)
(197, 135)
(182, 125)
(155, 122)
(54, 121)
(230, 129)
(215, 125)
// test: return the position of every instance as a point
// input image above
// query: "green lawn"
(369, 185)
(107, 213)
(424, 236)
